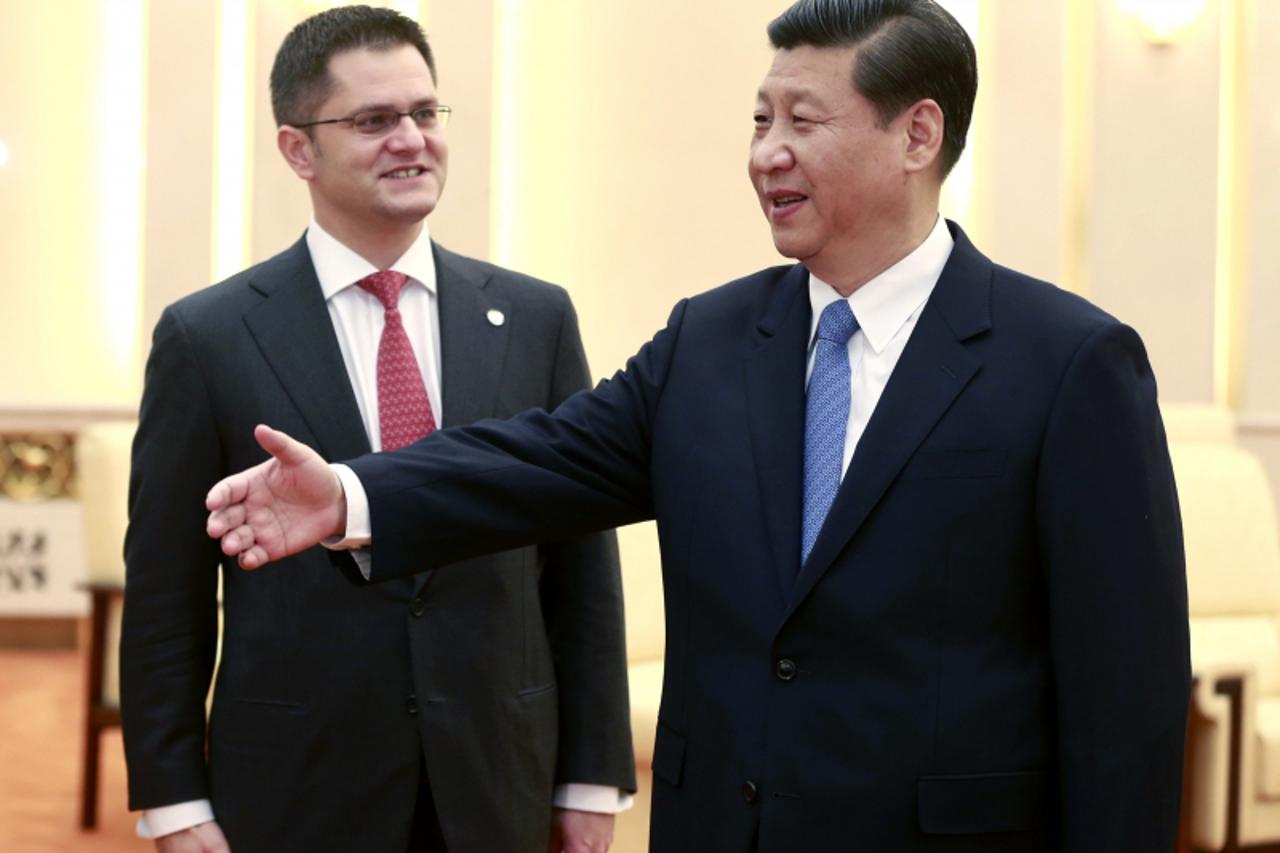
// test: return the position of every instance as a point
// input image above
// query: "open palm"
(287, 504)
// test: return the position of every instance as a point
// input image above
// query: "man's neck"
(382, 246)
(877, 254)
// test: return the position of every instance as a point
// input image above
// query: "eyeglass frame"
(438, 109)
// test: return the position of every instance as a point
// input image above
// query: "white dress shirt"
(886, 308)
(358, 319)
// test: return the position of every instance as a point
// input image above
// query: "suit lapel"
(774, 373)
(934, 368)
(292, 328)
(472, 348)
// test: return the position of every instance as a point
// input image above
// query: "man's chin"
(409, 211)
(789, 247)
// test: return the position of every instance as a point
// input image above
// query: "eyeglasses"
(380, 122)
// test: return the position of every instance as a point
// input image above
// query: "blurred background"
(1124, 149)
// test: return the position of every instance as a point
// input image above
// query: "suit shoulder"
(513, 285)
(232, 294)
(1044, 304)
(752, 287)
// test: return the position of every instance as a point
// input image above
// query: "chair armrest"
(1222, 696)
(107, 587)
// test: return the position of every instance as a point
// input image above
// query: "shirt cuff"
(604, 799)
(357, 534)
(165, 820)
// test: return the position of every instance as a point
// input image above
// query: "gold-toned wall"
(68, 325)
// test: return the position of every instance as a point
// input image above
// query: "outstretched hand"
(284, 505)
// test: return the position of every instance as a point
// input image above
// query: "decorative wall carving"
(35, 466)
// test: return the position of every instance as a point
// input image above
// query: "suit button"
(411, 705)
(749, 791)
(785, 669)
(417, 607)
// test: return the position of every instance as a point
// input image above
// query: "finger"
(233, 539)
(281, 445)
(253, 558)
(211, 839)
(227, 491)
(240, 539)
(223, 520)
(231, 545)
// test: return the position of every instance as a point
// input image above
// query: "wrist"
(339, 528)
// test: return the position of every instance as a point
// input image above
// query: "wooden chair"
(102, 466)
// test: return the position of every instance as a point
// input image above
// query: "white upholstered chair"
(1233, 583)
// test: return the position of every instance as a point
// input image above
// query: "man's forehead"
(378, 64)
(362, 72)
(809, 72)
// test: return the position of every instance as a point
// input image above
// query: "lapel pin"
(496, 317)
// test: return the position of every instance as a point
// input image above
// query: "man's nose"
(406, 136)
(772, 154)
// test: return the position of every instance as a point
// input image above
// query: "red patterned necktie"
(404, 411)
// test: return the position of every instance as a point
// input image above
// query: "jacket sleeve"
(1111, 539)
(582, 604)
(169, 633)
(536, 478)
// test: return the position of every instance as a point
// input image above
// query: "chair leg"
(1183, 844)
(93, 700)
(89, 782)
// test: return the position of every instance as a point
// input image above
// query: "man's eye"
(762, 120)
(424, 115)
(373, 121)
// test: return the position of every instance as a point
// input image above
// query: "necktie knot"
(385, 285)
(837, 323)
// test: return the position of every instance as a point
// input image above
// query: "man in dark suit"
(921, 546)
(348, 718)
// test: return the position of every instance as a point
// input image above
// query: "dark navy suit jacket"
(504, 676)
(987, 649)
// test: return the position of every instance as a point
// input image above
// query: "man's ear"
(299, 150)
(923, 123)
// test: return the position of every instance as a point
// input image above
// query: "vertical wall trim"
(1229, 328)
(959, 201)
(232, 150)
(121, 152)
(1077, 141)
(502, 189)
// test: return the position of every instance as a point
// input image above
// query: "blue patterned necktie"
(826, 418)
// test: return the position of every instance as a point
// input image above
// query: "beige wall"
(603, 145)
(57, 286)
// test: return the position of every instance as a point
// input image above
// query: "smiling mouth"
(786, 201)
(405, 173)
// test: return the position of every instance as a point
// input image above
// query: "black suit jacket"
(987, 648)
(504, 677)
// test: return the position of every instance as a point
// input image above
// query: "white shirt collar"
(884, 304)
(339, 267)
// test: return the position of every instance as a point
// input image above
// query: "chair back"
(102, 477)
(1233, 557)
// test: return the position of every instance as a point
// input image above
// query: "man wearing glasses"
(448, 710)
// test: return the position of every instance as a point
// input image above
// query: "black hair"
(908, 50)
(300, 80)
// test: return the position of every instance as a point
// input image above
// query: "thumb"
(285, 449)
